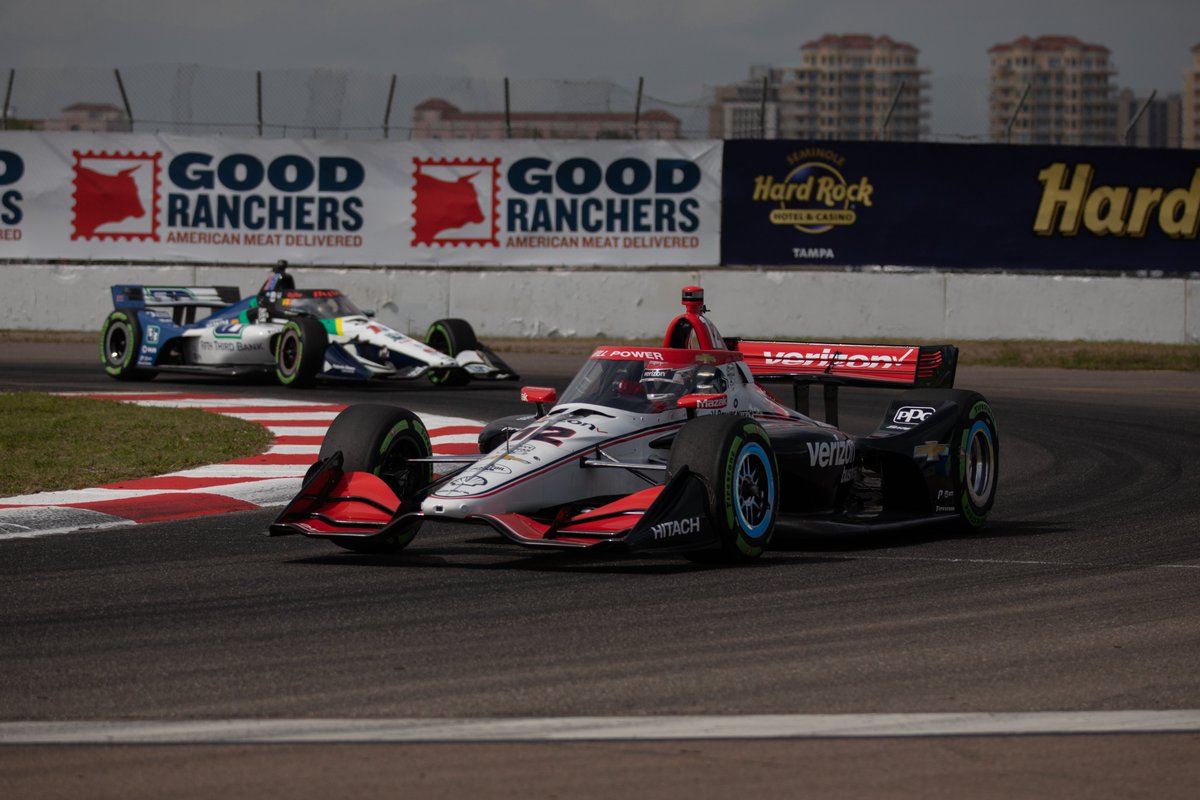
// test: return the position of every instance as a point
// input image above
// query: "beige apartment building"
(1191, 101)
(1052, 90)
(89, 117)
(852, 86)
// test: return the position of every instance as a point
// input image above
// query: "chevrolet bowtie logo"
(931, 451)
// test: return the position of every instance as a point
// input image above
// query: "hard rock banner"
(1061, 209)
(154, 198)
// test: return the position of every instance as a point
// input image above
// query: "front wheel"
(120, 341)
(300, 352)
(450, 336)
(382, 440)
(733, 458)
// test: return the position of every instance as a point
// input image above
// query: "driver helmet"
(663, 383)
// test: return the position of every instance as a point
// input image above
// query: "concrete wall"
(638, 303)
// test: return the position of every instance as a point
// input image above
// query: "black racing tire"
(975, 465)
(300, 352)
(120, 341)
(974, 451)
(733, 458)
(380, 440)
(450, 336)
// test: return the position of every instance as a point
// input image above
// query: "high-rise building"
(853, 86)
(1158, 125)
(1052, 90)
(1191, 101)
(747, 110)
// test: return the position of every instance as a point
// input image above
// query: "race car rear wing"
(182, 300)
(832, 365)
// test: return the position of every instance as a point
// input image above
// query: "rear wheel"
(450, 336)
(120, 341)
(976, 465)
(732, 456)
(381, 440)
(300, 352)
(974, 445)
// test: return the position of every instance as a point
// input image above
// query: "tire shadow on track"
(791, 540)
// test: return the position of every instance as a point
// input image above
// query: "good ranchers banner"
(482, 202)
(1059, 209)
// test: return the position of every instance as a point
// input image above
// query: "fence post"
(507, 113)
(1133, 122)
(1013, 119)
(887, 118)
(387, 114)
(7, 97)
(762, 110)
(637, 109)
(124, 98)
(258, 98)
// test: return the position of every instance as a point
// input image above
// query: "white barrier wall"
(638, 303)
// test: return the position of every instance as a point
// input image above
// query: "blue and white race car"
(299, 335)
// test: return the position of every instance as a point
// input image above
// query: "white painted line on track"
(567, 729)
(1013, 562)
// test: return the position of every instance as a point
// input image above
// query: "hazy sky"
(679, 46)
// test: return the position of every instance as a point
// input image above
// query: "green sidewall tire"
(300, 352)
(733, 458)
(450, 336)
(380, 439)
(120, 341)
(976, 465)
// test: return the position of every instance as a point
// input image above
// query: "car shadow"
(794, 538)
(501, 556)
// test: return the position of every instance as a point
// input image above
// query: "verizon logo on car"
(830, 454)
(828, 357)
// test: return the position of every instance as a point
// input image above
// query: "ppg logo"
(913, 415)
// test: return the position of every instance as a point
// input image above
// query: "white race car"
(300, 335)
(672, 448)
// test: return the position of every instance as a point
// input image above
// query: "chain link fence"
(321, 103)
(188, 99)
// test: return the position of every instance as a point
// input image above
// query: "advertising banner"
(1059, 209)
(480, 202)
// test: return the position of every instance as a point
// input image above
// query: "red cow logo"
(110, 195)
(446, 200)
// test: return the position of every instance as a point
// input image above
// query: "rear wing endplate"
(804, 364)
(182, 300)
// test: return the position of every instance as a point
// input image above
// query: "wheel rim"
(753, 491)
(396, 468)
(289, 353)
(116, 344)
(981, 465)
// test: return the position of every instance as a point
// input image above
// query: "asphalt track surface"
(1082, 596)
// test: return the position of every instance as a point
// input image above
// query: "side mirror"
(539, 395)
(696, 402)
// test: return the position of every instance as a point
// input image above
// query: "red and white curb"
(269, 479)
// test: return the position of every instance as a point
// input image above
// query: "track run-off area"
(1051, 655)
